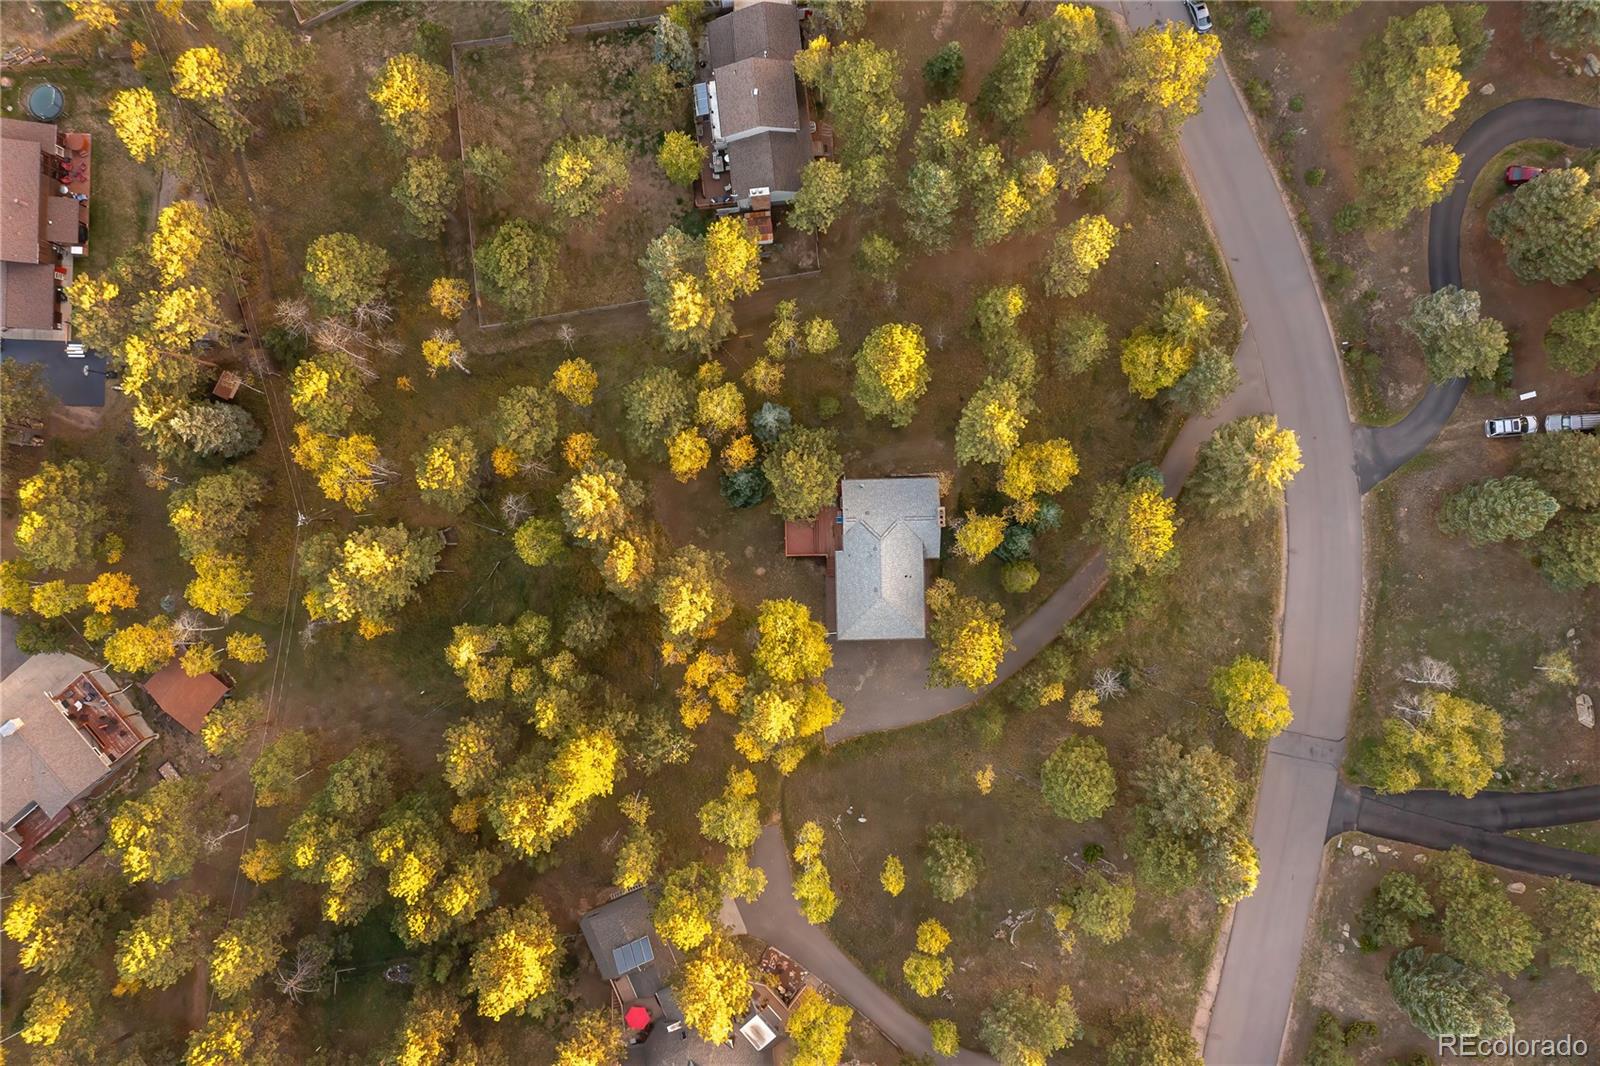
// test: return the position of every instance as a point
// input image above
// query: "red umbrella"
(637, 1017)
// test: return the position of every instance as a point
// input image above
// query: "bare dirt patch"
(1336, 976)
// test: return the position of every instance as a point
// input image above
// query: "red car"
(1522, 175)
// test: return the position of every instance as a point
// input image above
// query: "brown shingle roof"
(756, 93)
(47, 761)
(770, 29)
(767, 160)
(27, 296)
(22, 194)
(61, 220)
(187, 700)
(40, 133)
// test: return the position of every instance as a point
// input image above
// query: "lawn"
(523, 102)
(878, 794)
(1485, 611)
(1337, 976)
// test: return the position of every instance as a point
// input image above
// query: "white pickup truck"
(1559, 423)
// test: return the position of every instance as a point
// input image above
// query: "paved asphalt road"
(1439, 820)
(1321, 622)
(1380, 451)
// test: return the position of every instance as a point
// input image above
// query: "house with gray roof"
(67, 732)
(750, 111)
(890, 528)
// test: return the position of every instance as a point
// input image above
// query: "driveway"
(1382, 450)
(1439, 820)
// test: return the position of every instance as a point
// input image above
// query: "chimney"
(10, 727)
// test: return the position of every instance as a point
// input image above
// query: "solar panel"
(631, 956)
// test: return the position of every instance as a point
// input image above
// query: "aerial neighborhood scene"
(744, 532)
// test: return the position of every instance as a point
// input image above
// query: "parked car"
(1199, 14)
(1522, 175)
(1560, 423)
(1515, 426)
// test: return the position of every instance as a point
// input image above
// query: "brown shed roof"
(187, 700)
(27, 296)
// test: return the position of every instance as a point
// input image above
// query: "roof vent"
(10, 727)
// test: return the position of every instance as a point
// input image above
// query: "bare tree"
(1431, 672)
(514, 508)
(189, 626)
(307, 972)
(294, 316)
(1107, 683)
(567, 335)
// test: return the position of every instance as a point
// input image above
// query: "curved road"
(1382, 450)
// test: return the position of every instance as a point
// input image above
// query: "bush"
(1347, 219)
(1258, 22)
(828, 407)
(1297, 103)
(1259, 95)
(952, 865)
(1018, 577)
(1316, 176)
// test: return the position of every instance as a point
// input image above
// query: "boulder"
(1591, 65)
(1516, 888)
(1487, 88)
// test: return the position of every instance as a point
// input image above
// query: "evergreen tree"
(1456, 341)
(1498, 509)
(1550, 227)
(1441, 996)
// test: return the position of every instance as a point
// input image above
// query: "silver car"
(1199, 14)
(1515, 426)
(1561, 423)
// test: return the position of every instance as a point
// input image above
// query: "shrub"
(1258, 22)
(1259, 95)
(1316, 176)
(953, 863)
(1018, 576)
